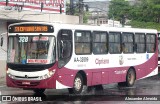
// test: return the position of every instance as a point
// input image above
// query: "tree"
(119, 10)
(155, 4)
(146, 10)
(143, 11)
(76, 11)
(143, 14)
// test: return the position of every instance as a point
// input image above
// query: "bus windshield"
(31, 49)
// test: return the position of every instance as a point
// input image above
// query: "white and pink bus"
(159, 51)
(57, 56)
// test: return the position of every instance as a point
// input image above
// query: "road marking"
(2, 86)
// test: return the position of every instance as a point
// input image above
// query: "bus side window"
(150, 43)
(82, 42)
(123, 47)
(140, 43)
(96, 48)
(118, 48)
(64, 47)
(114, 42)
(99, 42)
(135, 47)
(127, 42)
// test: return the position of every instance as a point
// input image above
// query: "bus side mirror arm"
(1, 41)
(62, 46)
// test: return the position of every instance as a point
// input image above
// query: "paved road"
(145, 89)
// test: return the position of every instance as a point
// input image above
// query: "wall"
(34, 16)
(3, 53)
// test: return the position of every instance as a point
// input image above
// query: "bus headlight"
(51, 72)
(11, 76)
(48, 75)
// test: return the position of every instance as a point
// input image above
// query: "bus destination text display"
(35, 28)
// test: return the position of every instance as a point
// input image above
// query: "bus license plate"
(26, 83)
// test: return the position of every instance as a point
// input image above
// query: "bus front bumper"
(45, 83)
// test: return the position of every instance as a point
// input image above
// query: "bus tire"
(78, 85)
(130, 78)
(39, 91)
(121, 84)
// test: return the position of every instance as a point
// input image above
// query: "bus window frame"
(151, 43)
(83, 42)
(114, 42)
(135, 44)
(123, 33)
(62, 61)
(100, 42)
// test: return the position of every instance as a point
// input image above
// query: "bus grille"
(25, 77)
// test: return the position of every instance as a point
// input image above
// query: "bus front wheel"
(78, 85)
(39, 91)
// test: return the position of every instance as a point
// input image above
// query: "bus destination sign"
(31, 28)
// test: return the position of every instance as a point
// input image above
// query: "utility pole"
(42, 6)
(6, 2)
(98, 20)
(123, 20)
(113, 19)
(80, 11)
(71, 7)
(60, 8)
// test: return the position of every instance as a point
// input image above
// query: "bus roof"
(91, 27)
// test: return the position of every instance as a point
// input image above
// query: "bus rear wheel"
(39, 91)
(130, 79)
(78, 85)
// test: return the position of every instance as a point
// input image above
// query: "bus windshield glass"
(31, 49)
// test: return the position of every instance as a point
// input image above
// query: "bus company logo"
(147, 56)
(121, 60)
(26, 76)
(101, 61)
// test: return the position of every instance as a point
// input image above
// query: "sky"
(90, 0)
(95, 0)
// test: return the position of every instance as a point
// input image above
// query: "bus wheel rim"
(130, 78)
(77, 84)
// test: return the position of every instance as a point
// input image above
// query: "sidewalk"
(2, 81)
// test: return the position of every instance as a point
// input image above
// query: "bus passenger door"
(64, 42)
